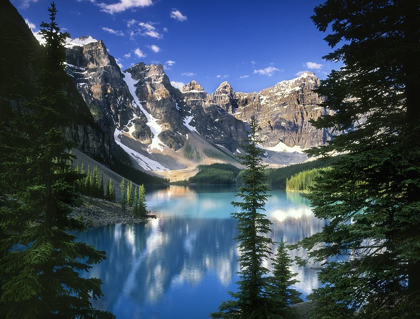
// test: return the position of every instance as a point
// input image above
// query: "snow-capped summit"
(80, 41)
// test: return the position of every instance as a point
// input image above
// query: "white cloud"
(124, 5)
(131, 22)
(222, 76)
(148, 26)
(177, 85)
(30, 25)
(188, 74)
(154, 48)
(119, 63)
(269, 71)
(146, 29)
(116, 32)
(128, 55)
(139, 53)
(168, 64)
(177, 15)
(152, 34)
(244, 76)
(313, 66)
(26, 3)
(165, 29)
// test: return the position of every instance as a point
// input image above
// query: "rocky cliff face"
(213, 120)
(154, 122)
(19, 70)
(99, 80)
(283, 111)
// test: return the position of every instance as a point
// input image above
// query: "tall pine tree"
(40, 261)
(123, 195)
(282, 296)
(371, 195)
(252, 299)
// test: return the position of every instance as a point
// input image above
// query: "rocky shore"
(96, 212)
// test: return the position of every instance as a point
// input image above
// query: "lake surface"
(183, 263)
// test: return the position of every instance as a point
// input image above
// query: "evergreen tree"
(108, 190)
(40, 260)
(130, 199)
(142, 205)
(371, 195)
(101, 187)
(95, 182)
(113, 193)
(123, 195)
(88, 183)
(281, 295)
(136, 201)
(252, 299)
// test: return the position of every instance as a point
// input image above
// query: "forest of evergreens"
(216, 174)
(277, 178)
(369, 249)
(303, 181)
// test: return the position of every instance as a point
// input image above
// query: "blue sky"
(251, 44)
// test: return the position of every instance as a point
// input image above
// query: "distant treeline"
(277, 178)
(93, 186)
(303, 181)
(216, 174)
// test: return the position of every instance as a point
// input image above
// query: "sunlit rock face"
(100, 81)
(149, 114)
(283, 111)
(162, 101)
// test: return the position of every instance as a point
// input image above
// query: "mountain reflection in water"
(181, 264)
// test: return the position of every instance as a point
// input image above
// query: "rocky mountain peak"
(192, 86)
(224, 97)
(80, 41)
(152, 74)
(224, 88)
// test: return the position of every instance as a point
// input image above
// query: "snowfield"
(151, 121)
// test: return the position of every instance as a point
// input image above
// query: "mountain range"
(164, 129)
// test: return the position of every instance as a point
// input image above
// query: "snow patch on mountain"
(151, 121)
(187, 121)
(79, 42)
(281, 147)
(145, 162)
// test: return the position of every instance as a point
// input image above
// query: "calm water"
(182, 264)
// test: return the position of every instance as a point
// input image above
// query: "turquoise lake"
(183, 263)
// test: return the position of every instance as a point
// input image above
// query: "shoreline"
(95, 212)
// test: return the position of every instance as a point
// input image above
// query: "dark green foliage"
(371, 195)
(281, 295)
(252, 298)
(130, 198)
(101, 191)
(216, 174)
(123, 190)
(278, 177)
(39, 260)
(91, 185)
(142, 200)
(140, 206)
(303, 181)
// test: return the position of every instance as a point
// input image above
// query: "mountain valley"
(164, 129)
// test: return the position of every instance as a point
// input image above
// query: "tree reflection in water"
(184, 262)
